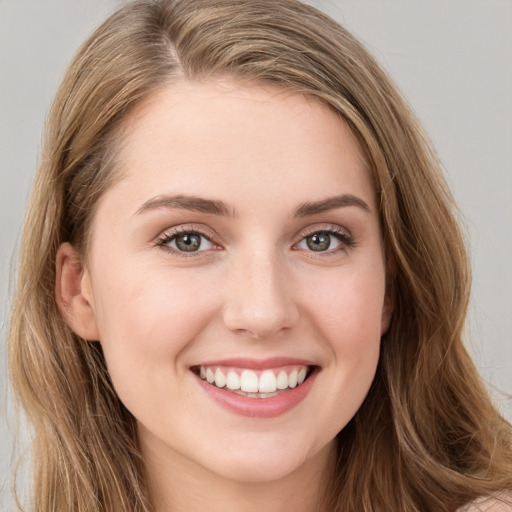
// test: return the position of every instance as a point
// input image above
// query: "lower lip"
(259, 407)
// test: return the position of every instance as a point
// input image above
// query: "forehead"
(220, 138)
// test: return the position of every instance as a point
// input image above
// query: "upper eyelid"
(323, 228)
(191, 228)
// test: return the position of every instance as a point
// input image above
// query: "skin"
(255, 289)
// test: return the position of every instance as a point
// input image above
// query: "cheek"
(149, 317)
(348, 308)
(346, 313)
(146, 323)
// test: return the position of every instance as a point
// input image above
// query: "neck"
(180, 485)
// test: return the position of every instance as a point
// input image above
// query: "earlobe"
(73, 293)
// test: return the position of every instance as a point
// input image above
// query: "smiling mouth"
(254, 383)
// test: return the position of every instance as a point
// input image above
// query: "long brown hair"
(427, 436)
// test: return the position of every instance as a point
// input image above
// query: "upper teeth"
(249, 381)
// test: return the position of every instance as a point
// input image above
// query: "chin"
(265, 461)
(256, 472)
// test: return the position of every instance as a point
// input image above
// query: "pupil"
(188, 242)
(318, 242)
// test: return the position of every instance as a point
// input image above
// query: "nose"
(259, 298)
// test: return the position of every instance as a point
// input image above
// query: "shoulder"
(502, 503)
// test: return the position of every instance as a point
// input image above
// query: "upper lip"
(258, 364)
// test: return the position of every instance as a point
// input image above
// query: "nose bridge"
(259, 298)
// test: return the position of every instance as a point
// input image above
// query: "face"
(236, 278)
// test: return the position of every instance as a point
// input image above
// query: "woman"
(249, 282)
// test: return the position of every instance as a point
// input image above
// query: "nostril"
(259, 326)
(245, 332)
(258, 301)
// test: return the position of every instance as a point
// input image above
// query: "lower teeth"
(255, 395)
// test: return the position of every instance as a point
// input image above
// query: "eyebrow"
(193, 203)
(331, 203)
(216, 207)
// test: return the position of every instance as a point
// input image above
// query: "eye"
(326, 241)
(318, 241)
(186, 242)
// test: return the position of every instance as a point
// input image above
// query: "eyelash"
(171, 235)
(346, 240)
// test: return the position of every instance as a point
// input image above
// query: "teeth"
(220, 379)
(249, 381)
(266, 385)
(282, 380)
(292, 379)
(233, 380)
(268, 382)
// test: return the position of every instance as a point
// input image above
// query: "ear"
(74, 294)
(389, 298)
(387, 310)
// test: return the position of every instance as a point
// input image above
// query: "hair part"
(427, 436)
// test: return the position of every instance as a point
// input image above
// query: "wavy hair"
(427, 437)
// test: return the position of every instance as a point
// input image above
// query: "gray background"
(452, 60)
